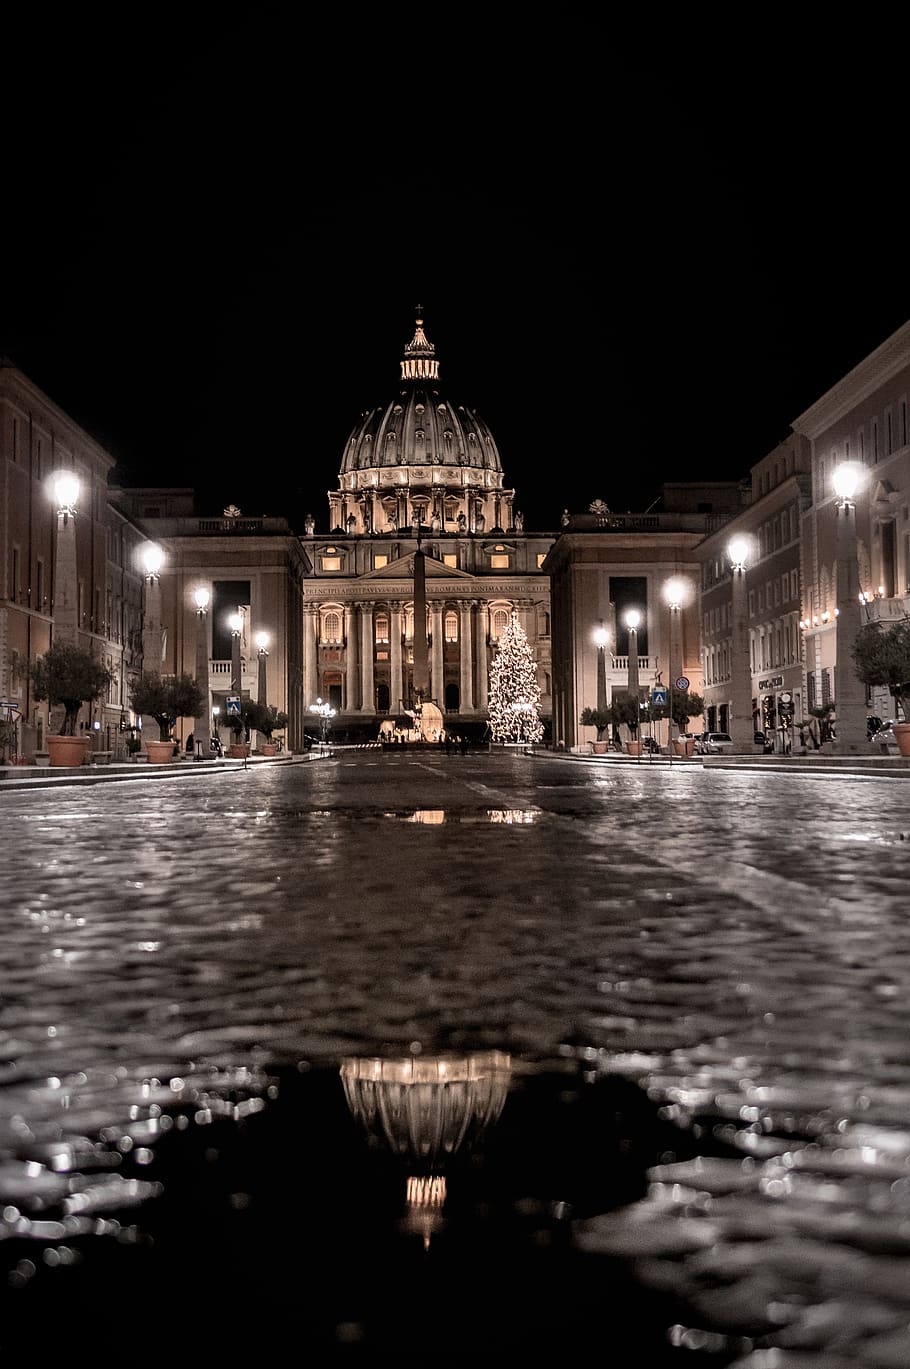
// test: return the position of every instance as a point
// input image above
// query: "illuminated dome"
(420, 460)
(420, 427)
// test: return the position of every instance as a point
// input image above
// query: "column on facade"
(396, 691)
(437, 670)
(352, 656)
(465, 678)
(483, 665)
(310, 649)
(367, 686)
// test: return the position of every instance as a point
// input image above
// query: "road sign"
(232, 703)
(659, 696)
(682, 682)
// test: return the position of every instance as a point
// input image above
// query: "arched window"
(451, 626)
(331, 627)
(382, 627)
(499, 621)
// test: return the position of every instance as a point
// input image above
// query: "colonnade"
(355, 657)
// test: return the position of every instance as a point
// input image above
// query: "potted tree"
(239, 725)
(881, 656)
(625, 711)
(166, 698)
(265, 718)
(70, 676)
(600, 718)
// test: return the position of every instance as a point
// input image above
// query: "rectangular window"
(39, 585)
(751, 603)
(903, 422)
(14, 575)
(331, 563)
(449, 559)
(541, 557)
(379, 562)
(499, 562)
(794, 584)
(874, 440)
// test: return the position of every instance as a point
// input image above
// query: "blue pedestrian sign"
(659, 696)
(233, 705)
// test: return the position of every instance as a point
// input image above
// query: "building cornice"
(857, 385)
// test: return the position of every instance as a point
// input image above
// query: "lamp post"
(601, 637)
(202, 726)
(741, 723)
(152, 558)
(235, 623)
(632, 620)
(849, 690)
(65, 487)
(324, 711)
(675, 592)
(262, 642)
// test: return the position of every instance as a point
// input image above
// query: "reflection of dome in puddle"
(424, 1109)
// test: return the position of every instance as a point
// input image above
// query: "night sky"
(637, 262)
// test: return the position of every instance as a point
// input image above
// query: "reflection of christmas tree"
(514, 691)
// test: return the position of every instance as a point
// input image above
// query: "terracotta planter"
(902, 737)
(600, 748)
(239, 750)
(67, 750)
(268, 749)
(634, 748)
(159, 753)
(684, 746)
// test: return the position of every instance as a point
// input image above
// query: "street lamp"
(65, 492)
(849, 690)
(262, 641)
(152, 558)
(676, 593)
(202, 726)
(235, 623)
(741, 723)
(324, 711)
(601, 637)
(632, 620)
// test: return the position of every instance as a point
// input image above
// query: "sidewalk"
(49, 777)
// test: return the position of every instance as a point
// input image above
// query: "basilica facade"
(420, 479)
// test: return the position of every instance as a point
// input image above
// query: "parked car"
(715, 743)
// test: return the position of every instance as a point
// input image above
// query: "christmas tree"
(514, 691)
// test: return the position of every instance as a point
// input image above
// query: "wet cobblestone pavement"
(672, 1002)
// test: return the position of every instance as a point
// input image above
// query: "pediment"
(882, 492)
(402, 568)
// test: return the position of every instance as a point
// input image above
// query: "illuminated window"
(331, 627)
(379, 562)
(499, 562)
(541, 557)
(450, 560)
(499, 621)
(382, 627)
(451, 627)
(331, 563)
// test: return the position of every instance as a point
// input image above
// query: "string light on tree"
(514, 700)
